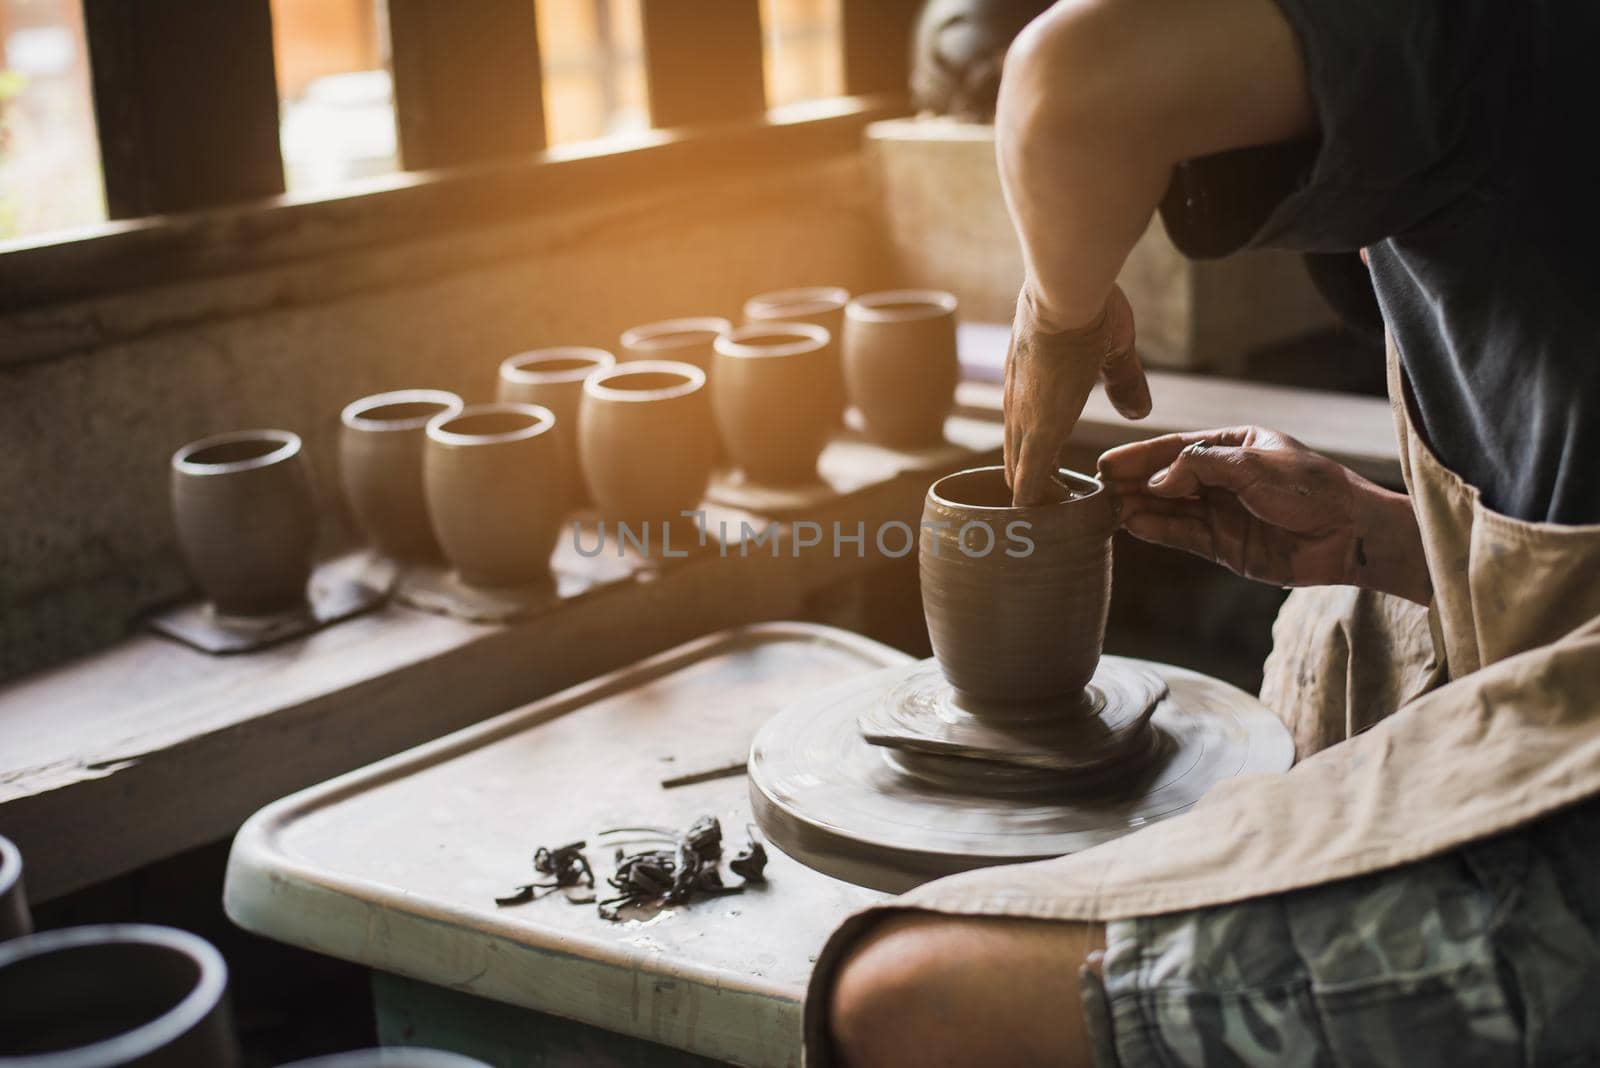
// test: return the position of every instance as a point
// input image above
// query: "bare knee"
(931, 990)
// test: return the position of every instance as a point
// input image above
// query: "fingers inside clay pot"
(818, 305)
(772, 394)
(1016, 598)
(647, 439)
(381, 441)
(554, 378)
(900, 364)
(246, 519)
(114, 994)
(688, 340)
(495, 476)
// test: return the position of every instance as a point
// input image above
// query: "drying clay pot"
(381, 440)
(684, 340)
(93, 997)
(900, 364)
(15, 919)
(818, 305)
(246, 519)
(554, 378)
(1010, 622)
(772, 393)
(647, 439)
(496, 481)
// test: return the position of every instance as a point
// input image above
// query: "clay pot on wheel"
(390, 1057)
(93, 997)
(381, 439)
(772, 393)
(818, 305)
(900, 364)
(554, 378)
(647, 439)
(1016, 598)
(15, 920)
(685, 340)
(246, 519)
(496, 480)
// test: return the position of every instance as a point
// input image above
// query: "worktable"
(397, 866)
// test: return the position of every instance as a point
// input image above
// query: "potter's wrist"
(1062, 323)
(1386, 551)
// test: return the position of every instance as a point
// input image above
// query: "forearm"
(1387, 553)
(1099, 100)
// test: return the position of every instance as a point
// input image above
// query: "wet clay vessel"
(772, 391)
(818, 305)
(117, 994)
(15, 918)
(381, 441)
(246, 519)
(496, 481)
(1016, 598)
(647, 439)
(553, 377)
(685, 340)
(900, 364)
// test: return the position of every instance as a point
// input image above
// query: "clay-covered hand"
(1049, 373)
(1263, 505)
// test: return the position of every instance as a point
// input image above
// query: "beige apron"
(1506, 728)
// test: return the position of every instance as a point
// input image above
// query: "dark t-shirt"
(1458, 145)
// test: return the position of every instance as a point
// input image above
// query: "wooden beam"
(877, 45)
(466, 81)
(703, 60)
(186, 103)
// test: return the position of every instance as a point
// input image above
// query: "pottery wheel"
(825, 795)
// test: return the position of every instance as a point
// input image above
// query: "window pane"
(593, 66)
(804, 50)
(49, 156)
(337, 100)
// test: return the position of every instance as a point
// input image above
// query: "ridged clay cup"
(647, 439)
(246, 519)
(688, 340)
(773, 399)
(1016, 598)
(381, 441)
(496, 480)
(553, 377)
(818, 305)
(900, 364)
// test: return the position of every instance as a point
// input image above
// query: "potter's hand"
(1049, 373)
(1265, 506)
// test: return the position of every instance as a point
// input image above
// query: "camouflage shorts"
(1488, 955)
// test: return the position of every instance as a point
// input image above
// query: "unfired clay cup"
(495, 476)
(381, 440)
(1016, 598)
(648, 443)
(554, 378)
(818, 305)
(246, 519)
(684, 340)
(774, 400)
(900, 364)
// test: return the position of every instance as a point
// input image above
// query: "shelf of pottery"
(590, 466)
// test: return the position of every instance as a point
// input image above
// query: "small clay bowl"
(554, 378)
(648, 441)
(771, 392)
(685, 340)
(496, 481)
(15, 919)
(1016, 598)
(381, 440)
(246, 519)
(114, 994)
(818, 305)
(900, 365)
